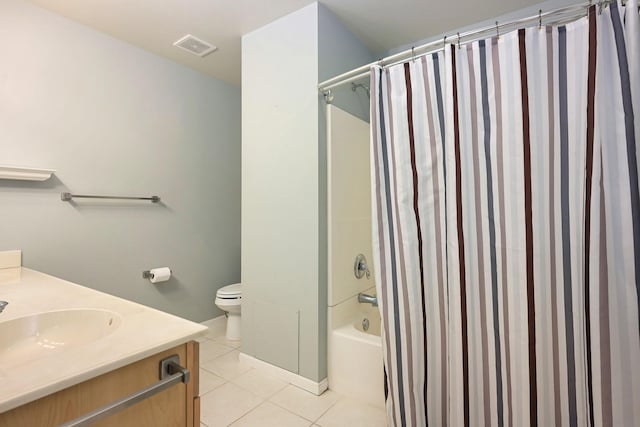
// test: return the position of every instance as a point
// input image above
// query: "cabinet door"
(175, 406)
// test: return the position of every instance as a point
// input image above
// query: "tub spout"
(368, 299)
(3, 304)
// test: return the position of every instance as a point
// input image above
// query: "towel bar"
(67, 197)
(170, 373)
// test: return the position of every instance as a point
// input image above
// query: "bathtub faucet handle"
(364, 268)
(360, 267)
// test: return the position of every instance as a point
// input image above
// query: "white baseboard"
(215, 320)
(217, 326)
(306, 384)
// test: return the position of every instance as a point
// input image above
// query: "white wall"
(280, 193)
(340, 51)
(114, 119)
(528, 11)
(284, 271)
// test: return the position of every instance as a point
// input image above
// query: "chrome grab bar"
(170, 373)
(67, 197)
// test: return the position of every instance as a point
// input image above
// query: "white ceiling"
(155, 24)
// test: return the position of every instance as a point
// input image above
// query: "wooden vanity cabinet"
(176, 406)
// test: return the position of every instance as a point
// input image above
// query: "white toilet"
(229, 299)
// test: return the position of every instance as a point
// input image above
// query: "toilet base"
(233, 326)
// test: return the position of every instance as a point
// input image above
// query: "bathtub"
(355, 367)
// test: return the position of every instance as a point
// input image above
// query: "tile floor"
(234, 394)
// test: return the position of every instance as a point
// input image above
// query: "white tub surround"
(142, 332)
(349, 204)
(355, 366)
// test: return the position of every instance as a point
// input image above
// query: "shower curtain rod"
(567, 13)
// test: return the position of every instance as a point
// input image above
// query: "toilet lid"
(230, 291)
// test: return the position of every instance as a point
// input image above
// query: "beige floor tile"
(259, 383)
(270, 415)
(225, 404)
(217, 332)
(229, 343)
(210, 350)
(227, 366)
(348, 412)
(303, 403)
(209, 381)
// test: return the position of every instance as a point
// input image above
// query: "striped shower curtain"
(506, 227)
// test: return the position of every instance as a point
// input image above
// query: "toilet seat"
(230, 292)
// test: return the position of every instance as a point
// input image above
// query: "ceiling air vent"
(195, 45)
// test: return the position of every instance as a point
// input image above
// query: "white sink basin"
(31, 337)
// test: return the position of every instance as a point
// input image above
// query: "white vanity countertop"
(143, 332)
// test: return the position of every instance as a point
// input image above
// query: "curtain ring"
(497, 30)
(540, 19)
(458, 40)
(413, 54)
(444, 42)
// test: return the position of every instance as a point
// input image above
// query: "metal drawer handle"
(170, 373)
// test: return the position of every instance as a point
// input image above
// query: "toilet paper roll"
(161, 274)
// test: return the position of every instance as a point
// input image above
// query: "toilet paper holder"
(148, 274)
